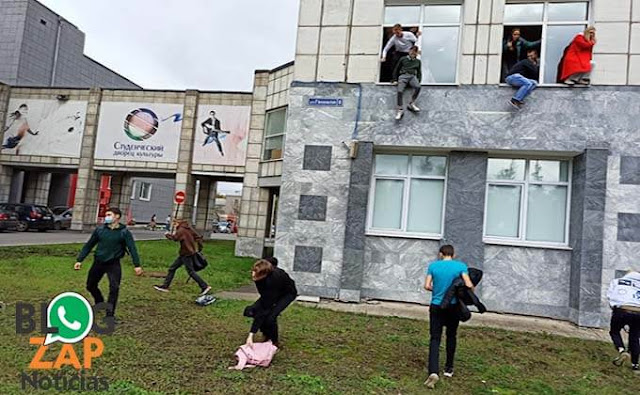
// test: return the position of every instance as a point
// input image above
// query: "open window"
(436, 25)
(549, 27)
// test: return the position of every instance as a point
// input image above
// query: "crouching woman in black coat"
(277, 290)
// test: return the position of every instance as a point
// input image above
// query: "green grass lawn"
(168, 344)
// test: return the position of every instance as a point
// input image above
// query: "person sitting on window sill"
(513, 50)
(575, 66)
(524, 76)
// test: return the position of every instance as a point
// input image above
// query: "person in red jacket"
(576, 64)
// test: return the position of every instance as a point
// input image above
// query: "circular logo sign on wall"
(141, 124)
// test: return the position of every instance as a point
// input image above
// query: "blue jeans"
(526, 85)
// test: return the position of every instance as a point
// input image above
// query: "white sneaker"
(205, 291)
(432, 380)
(399, 115)
(448, 373)
(569, 82)
(413, 107)
(623, 356)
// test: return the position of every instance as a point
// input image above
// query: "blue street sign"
(325, 101)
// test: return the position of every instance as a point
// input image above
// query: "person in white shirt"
(624, 299)
(401, 41)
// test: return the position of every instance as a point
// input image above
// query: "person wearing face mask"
(113, 240)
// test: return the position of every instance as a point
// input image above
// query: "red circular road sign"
(179, 197)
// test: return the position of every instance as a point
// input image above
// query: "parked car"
(32, 216)
(8, 218)
(62, 217)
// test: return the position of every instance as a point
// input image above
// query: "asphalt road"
(68, 236)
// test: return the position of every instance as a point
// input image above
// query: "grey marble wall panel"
(630, 170)
(629, 227)
(464, 212)
(308, 259)
(355, 224)
(312, 208)
(317, 157)
(249, 247)
(516, 276)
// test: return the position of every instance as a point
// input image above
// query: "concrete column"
(184, 180)
(356, 223)
(464, 216)
(43, 184)
(6, 174)
(250, 241)
(211, 203)
(588, 196)
(87, 188)
(203, 204)
(125, 193)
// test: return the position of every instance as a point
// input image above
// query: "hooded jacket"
(190, 241)
(466, 297)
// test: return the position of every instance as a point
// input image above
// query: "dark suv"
(31, 216)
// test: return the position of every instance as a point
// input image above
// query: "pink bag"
(260, 354)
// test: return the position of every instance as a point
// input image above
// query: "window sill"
(422, 84)
(527, 244)
(403, 235)
(270, 160)
(564, 86)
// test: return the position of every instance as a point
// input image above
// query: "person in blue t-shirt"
(440, 276)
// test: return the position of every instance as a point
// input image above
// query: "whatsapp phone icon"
(72, 315)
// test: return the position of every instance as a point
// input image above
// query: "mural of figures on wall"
(44, 127)
(221, 135)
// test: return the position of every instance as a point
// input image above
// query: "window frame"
(265, 137)
(524, 204)
(544, 24)
(134, 189)
(421, 24)
(148, 197)
(406, 194)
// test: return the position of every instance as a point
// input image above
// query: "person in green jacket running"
(113, 240)
(408, 71)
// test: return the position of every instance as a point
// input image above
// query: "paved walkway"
(419, 312)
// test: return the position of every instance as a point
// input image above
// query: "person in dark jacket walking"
(277, 290)
(524, 76)
(440, 276)
(408, 71)
(190, 244)
(113, 240)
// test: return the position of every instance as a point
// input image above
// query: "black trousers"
(269, 326)
(187, 261)
(439, 318)
(620, 318)
(114, 273)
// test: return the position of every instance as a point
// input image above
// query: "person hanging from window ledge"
(401, 41)
(524, 76)
(575, 66)
(513, 50)
(408, 71)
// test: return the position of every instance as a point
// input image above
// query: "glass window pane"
(428, 166)
(549, 171)
(273, 148)
(402, 15)
(568, 12)
(546, 213)
(503, 210)
(442, 14)
(439, 54)
(558, 38)
(276, 122)
(387, 207)
(506, 169)
(392, 164)
(425, 206)
(523, 13)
